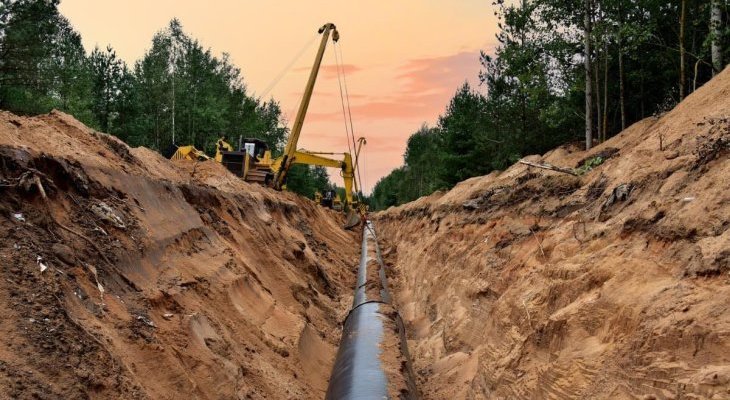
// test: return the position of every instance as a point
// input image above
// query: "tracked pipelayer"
(254, 161)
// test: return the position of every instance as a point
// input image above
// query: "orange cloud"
(329, 71)
(427, 85)
(442, 74)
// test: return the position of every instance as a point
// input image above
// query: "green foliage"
(535, 85)
(306, 180)
(461, 128)
(421, 175)
(184, 95)
(42, 62)
(589, 164)
(178, 93)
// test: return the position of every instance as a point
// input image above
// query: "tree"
(716, 36)
(423, 156)
(460, 131)
(42, 61)
(109, 74)
(682, 62)
(562, 69)
(587, 27)
(306, 180)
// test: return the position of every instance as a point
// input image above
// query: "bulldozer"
(329, 199)
(189, 153)
(254, 163)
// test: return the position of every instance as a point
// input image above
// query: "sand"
(529, 283)
(137, 277)
(210, 288)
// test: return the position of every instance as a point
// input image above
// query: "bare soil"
(125, 275)
(529, 283)
(142, 278)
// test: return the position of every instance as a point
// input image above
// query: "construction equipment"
(189, 153)
(290, 151)
(254, 162)
(256, 165)
(329, 199)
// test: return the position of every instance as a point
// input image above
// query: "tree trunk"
(173, 106)
(682, 15)
(605, 91)
(622, 103)
(641, 96)
(715, 33)
(157, 130)
(694, 82)
(597, 91)
(589, 78)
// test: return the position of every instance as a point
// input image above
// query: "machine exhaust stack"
(372, 361)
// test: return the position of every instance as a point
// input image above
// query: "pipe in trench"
(372, 361)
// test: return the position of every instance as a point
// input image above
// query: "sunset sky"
(404, 59)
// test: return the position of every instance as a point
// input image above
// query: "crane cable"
(345, 99)
(286, 69)
(342, 99)
(343, 95)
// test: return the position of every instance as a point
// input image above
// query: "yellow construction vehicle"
(329, 199)
(254, 162)
(220, 146)
(189, 153)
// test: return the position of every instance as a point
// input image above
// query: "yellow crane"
(333, 199)
(254, 163)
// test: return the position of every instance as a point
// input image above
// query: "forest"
(178, 93)
(564, 71)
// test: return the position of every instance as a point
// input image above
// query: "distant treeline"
(177, 90)
(643, 57)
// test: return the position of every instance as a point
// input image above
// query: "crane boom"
(291, 144)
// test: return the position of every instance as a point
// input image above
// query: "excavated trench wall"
(127, 276)
(533, 284)
(141, 278)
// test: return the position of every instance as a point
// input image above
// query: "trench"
(373, 359)
(514, 285)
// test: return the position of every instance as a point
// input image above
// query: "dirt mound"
(125, 275)
(533, 284)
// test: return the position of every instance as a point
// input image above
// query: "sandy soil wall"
(534, 284)
(142, 278)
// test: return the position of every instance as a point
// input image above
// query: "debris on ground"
(619, 194)
(106, 213)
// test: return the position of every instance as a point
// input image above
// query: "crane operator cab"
(255, 148)
(328, 198)
(251, 162)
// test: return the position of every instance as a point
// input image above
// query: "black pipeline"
(373, 360)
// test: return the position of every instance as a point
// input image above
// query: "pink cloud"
(427, 86)
(389, 114)
(329, 71)
(442, 74)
